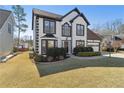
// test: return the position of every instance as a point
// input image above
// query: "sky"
(96, 14)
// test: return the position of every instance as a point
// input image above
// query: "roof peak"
(45, 11)
(5, 10)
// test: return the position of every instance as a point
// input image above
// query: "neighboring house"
(6, 32)
(68, 31)
(116, 41)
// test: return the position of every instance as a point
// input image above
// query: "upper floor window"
(49, 26)
(66, 30)
(9, 28)
(79, 30)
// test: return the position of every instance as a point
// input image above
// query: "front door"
(67, 46)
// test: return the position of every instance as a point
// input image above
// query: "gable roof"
(47, 14)
(92, 35)
(58, 17)
(81, 15)
(4, 14)
(75, 9)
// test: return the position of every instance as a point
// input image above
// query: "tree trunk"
(18, 38)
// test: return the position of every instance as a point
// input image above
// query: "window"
(9, 28)
(45, 44)
(66, 30)
(49, 26)
(80, 43)
(80, 30)
(50, 44)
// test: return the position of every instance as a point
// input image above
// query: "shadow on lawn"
(70, 64)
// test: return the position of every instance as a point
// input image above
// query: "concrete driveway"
(117, 55)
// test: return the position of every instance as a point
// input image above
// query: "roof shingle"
(92, 35)
(47, 14)
(4, 14)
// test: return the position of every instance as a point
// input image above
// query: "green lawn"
(21, 72)
(73, 64)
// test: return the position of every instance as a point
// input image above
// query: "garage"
(93, 40)
(94, 45)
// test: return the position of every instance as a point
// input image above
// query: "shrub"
(15, 49)
(82, 49)
(62, 52)
(52, 54)
(50, 58)
(31, 55)
(61, 57)
(39, 58)
(88, 54)
(122, 49)
(56, 52)
(110, 49)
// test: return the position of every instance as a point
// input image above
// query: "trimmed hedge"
(88, 54)
(53, 54)
(82, 49)
(122, 49)
(56, 52)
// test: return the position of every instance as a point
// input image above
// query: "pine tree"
(19, 15)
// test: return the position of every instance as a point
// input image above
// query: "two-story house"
(7, 23)
(53, 30)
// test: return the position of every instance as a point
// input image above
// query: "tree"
(116, 45)
(20, 20)
(113, 27)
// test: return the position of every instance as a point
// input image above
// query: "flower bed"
(53, 54)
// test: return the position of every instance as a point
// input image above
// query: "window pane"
(49, 26)
(69, 31)
(46, 26)
(66, 30)
(43, 46)
(50, 44)
(52, 27)
(78, 29)
(82, 30)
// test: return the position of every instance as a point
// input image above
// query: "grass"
(21, 72)
(73, 64)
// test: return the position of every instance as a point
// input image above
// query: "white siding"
(69, 17)
(34, 32)
(58, 35)
(78, 20)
